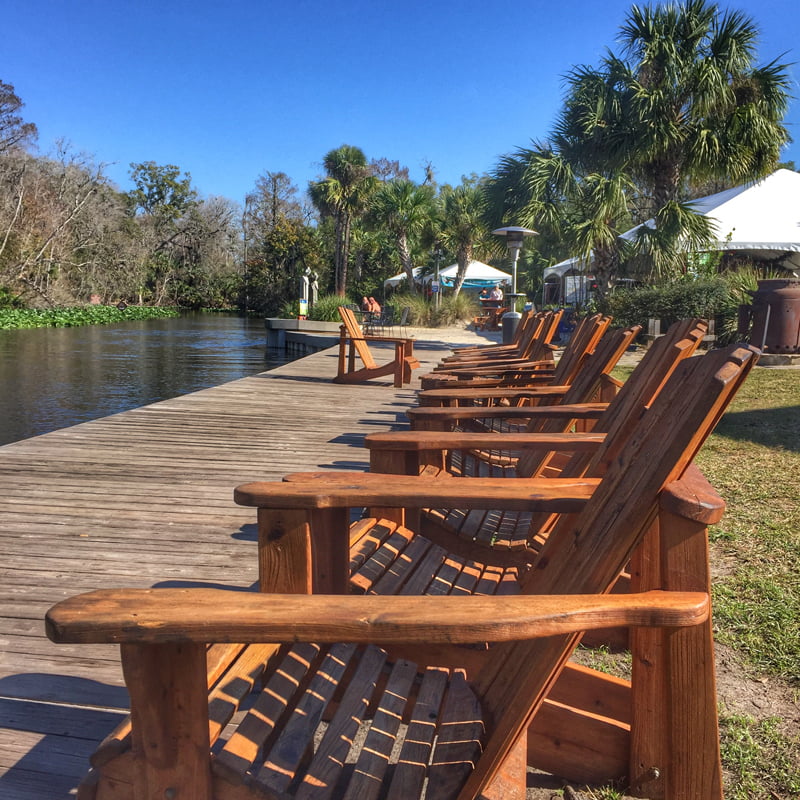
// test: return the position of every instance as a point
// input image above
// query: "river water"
(51, 378)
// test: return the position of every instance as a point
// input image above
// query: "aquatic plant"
(11, 318)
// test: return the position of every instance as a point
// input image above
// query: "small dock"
(140, 499)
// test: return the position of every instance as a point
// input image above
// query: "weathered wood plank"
(144, 498)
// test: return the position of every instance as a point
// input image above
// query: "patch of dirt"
(738, 693)
(759, 698)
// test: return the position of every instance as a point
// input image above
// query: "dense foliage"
(668, 302)
(681, 110)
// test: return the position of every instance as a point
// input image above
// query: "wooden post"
(675, 731)
(170, 741)
(284, 552)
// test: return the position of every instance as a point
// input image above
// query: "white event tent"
(760, 219)
(478, 276)
(396, 280)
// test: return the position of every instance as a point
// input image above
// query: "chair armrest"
(433, 414)
(462, 440)
(431, 397)
(327, 490)
(161, 616)
(501, 365)
(693, 497)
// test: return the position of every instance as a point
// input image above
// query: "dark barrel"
(775, 313)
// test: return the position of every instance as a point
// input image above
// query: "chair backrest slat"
(356, 336)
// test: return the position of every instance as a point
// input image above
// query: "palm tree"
(685, 102)
(540, 188)
(405, 210)
(463, 211)
(343, 194)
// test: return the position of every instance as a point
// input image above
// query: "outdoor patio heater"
(514, 236)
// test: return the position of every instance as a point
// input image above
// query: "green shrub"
(740, 282)
(325, 309)
(424, 314)
(419, 309)
(669, 302)
(8, 299)
(290, 310)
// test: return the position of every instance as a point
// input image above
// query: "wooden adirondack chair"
(533, 346)
(543, 448)
(455, 389)
(470, 394)
(518, 371)
(353, 342)
(521, 331)
(535, 339)
(526, 329)
(468, 710)
(490, 321)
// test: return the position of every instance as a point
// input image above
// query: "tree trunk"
(463, 257)
(405, 260)
(605, 270)
(666, 182)
(339, 254)
(341, 290)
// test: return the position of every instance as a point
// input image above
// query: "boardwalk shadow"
(247, 533)
(355, 466)
(300, 378)
(65, 730)
(350, 439)
(177, 584)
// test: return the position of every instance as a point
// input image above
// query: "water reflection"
(51, 378)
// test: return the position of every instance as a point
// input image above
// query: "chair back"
(586, 552)
(351, 332)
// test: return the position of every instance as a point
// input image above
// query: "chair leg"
(675, 729)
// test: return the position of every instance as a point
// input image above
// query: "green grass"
(761, 761)
(753, 460)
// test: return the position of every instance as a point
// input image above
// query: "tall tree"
(405, 210)
(684, 102)
(463, 224)
(275, 198)
(343, 194)
(280, 246)
(162, 201)
(161, 190)
(46, 205)
(13, 131)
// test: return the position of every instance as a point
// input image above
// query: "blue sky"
(230, 90)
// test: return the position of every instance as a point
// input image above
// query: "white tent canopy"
(570, 265)
(396, 280)
(478, 276)
(760, 219)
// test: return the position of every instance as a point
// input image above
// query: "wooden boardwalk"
(144, 498)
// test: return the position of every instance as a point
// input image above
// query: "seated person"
(497, 294)
(485, 295)
(374, 307)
